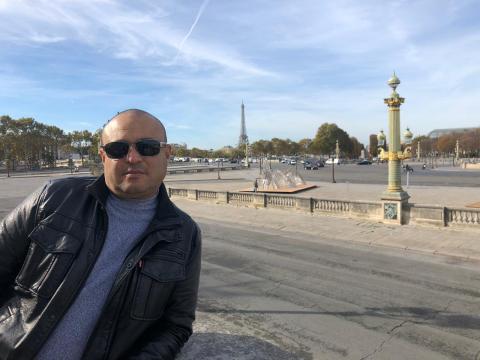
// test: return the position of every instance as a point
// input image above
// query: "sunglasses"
(145, 147)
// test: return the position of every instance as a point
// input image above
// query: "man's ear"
(102, 154)
(168, 151)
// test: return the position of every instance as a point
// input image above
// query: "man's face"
(134, 176)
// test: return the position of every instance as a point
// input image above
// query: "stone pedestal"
(192, 194)
(259, 200)
(392, 206)
(222, 197)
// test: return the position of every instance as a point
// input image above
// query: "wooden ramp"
(286, 190)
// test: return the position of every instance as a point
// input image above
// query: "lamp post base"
(395, 195)
(392, 206)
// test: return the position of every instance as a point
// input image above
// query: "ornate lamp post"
(457, 150)
(381, 143)
(395, 196)
(7, 161)
(337, 151)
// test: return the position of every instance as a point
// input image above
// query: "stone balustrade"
(413, 213)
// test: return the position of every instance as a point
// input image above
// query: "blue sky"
(295, 64)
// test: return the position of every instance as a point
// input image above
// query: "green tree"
(357, 148)
(81, 141)
(304, 146)
(326, 137)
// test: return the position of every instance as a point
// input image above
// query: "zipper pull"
(140, 263)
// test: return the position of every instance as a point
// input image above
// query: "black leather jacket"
(48, 246)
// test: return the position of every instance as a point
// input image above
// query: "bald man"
(104, 268)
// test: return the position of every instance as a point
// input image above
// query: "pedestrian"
(255, 185)
(104, 268)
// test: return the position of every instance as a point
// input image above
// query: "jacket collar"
(165, 208)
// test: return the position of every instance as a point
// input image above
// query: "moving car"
(364, 162)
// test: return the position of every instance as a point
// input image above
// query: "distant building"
(227, 149)
(179, 146)
(439, 132)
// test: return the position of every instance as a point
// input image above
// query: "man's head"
(135, 176)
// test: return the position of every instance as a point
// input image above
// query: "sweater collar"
(165, 208)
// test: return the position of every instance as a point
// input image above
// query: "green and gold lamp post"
(394, 197)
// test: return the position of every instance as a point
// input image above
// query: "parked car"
(293, 162)
(364, 162)
(313, 164)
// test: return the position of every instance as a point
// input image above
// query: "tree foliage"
(326, 137)
(34, 144)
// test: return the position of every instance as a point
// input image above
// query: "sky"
(294, 64)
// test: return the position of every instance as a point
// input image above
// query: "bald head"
(137, 174)
(123, 118)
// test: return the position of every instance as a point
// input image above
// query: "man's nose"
(133, 156)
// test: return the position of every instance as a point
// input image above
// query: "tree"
(81, 141)
(357, 147)
(326, 137)
(446, 144)
(304, 146)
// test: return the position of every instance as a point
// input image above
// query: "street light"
(418, 150)
(337, 152)
(7, 161)
(394, 155)
(457, 150)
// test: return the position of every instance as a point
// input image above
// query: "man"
(103, 268)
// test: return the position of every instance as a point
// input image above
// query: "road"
(378, 174)
(312, 299)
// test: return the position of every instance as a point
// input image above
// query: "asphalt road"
(314, 300)
(378, 174)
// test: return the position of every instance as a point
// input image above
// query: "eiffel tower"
(243, 138)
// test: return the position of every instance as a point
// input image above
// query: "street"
(315, 299)
(377, 174)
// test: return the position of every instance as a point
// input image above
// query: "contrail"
(200, 12)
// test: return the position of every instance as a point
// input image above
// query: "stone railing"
(177, 192)
(239, 198)
(412, 213)
(207, 195)
(462, 216)
(279, 201)
(331, 206)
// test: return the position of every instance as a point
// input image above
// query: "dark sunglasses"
(145, 147)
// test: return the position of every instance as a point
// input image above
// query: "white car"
(333, 161)
(293, 162)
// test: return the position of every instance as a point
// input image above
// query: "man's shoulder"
(67, 187)
(71, 183)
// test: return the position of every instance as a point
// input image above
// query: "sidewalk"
(243, 179)
(456, 242)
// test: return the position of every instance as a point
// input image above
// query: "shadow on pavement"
(203, 346)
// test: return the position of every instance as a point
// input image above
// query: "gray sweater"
(127, 220)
